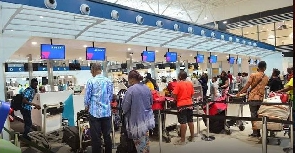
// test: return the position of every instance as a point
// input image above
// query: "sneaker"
(179, 142)
(191, 139)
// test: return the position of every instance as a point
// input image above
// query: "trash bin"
(8, 147)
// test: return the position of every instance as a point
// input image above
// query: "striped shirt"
(29, 94)
(98, 96)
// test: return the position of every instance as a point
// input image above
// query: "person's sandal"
(179, 142)
(191, 139)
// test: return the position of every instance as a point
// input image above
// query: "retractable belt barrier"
(264, 119)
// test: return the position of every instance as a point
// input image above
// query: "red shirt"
(184, 91)
(171, 86)
(230, 78)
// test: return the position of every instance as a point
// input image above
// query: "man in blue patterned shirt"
(28, 96)
(98, 96)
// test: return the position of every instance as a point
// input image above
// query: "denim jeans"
(98, 127)
(27, 122)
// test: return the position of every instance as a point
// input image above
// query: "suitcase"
(71, 137)
(216, 125)
(8, 147)
(215, 108)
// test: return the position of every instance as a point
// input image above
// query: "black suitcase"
(216, 125)
(71, 137)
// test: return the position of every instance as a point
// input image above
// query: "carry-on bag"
(126, 144)
(71, 137)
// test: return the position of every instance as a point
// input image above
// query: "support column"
(231, 69)
(129, 62)
(50, 74)
(153, 70)
(209, 70)
(177, 64)
(220, 67)
(30, 66)
(186, 66)
(240, 68)
(105, 68)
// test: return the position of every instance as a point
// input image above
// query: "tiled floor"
(237, 142)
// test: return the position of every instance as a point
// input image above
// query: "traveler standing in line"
(183, 93)
(98, 97)
(275, 82)
(138, 113)
(28, 97)
(257, 81)
(153, 81)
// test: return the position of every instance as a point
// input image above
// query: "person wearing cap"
(150, 82)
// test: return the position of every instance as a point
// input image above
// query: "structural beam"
(140, 33)
(173, 39)
(194, 45)
(171, 2)
(232, 49)
(88, 27)
(224, 44)
(17, 11)
(242, 51)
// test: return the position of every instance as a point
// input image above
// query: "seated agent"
(183, 93)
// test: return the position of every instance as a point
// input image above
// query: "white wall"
(273, 61)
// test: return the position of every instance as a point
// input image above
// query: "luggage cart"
(43, 136)
(238, 123)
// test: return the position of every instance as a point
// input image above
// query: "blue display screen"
(213, 59)
(239, 60)
(93, 53)
(231, 60)
(171, 57)
(52, 51)
(200, 58)
(148, 56)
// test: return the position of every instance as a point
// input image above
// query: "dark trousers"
(98, 127)
(27, 122)
(254, 113)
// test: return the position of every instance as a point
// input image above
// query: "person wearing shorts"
(183, 93)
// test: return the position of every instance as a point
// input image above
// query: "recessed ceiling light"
(34, 43)
(224, 22)
(157, 51)
(84, 46)
(263, 27)
(251, 26)
(205, 18)
(11, 30)
(41, 17)
(80, 58)
(129, 49)
(191, 54)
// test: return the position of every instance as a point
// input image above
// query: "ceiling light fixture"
(41, 17)
(224, 22)
(34, 43)
(84, 46)
(129, 49)
(157, 51)
(205, 18)
(11, 30)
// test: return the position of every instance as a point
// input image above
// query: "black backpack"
(17, 102)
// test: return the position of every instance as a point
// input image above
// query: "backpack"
(17, 102)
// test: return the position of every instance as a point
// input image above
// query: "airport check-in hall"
(140, 76)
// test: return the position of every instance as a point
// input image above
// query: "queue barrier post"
(292, 125)
(264, 134)
(207, 137)
(113, 132)
(160, 130)
(198, 121)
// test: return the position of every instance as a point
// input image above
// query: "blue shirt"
(29, 94)
(98, 96)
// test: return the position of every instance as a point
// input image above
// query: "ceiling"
(204, 11)
(75, 31)
(75, 49)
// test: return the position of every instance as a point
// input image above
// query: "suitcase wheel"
(242, 128)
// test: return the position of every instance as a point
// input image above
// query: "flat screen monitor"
(213, 59)
(148, 56)
(93, 53)
(231, 60)
(55, 52)
(200, 58)
(239, 60)
(171, 57)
